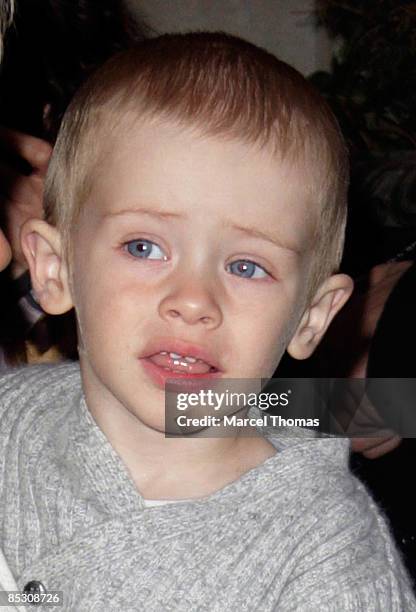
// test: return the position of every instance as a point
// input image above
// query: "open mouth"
(191, 370)
(176, 364)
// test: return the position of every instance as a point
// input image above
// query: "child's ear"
(41, 244)
(328, 300)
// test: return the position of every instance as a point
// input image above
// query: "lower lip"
(160, 376)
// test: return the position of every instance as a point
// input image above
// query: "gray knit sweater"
(296, 533)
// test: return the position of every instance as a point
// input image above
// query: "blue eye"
(247, 269)
(144, 249)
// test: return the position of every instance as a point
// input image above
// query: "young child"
(195, 212)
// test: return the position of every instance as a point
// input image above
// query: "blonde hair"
(6, 18)
(223, 86)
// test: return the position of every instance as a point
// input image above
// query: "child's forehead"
(157, 140)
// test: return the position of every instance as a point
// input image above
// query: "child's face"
(190, 245)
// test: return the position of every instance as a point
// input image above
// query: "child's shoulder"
(25, 392)
(344, 548)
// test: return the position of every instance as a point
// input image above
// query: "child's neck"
(186, 470)
(179, 468)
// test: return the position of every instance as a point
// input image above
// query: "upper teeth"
(177, 356)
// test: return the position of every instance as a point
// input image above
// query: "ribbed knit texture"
(298, 532)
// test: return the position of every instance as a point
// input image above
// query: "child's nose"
(192, 304)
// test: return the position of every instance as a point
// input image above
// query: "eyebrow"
(163, 214)
(256, 233)
(158, 214)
